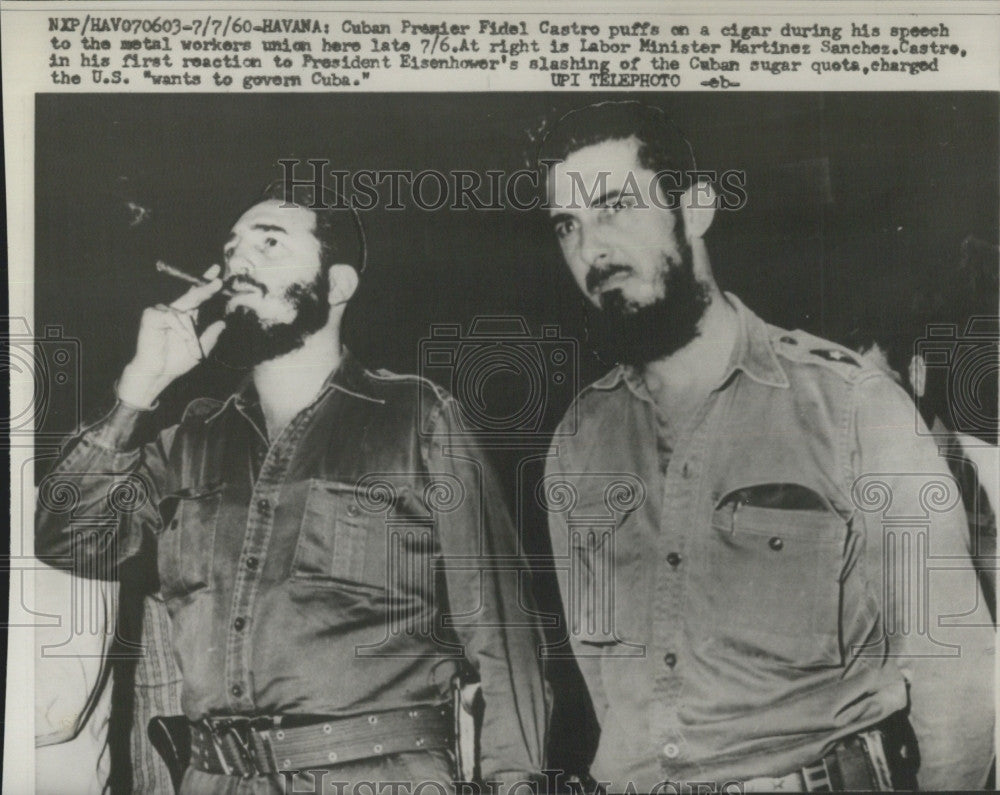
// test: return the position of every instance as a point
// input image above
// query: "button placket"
(260, 519)
(678, 518)
(667, 617)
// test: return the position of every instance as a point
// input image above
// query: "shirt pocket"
(334, 539)
(775, 580)
(186, 546)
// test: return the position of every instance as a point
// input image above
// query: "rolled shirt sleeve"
(490, 605)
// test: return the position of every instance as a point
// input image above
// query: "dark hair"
(338, 229)
(662, 146)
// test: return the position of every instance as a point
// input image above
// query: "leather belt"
(260, 746)
(857, 762)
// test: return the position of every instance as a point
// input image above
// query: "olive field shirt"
(352, 564)
(789, 568)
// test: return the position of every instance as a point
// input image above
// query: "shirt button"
(239, 623)
(252, 563)
(352, 510)
(674, 559)
(670, 659)
(236, 690)
(775, 543)
(670, 751)
(263, 505)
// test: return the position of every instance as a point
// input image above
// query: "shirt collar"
(753, 353)
(350, 377)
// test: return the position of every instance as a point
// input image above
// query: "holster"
(171, 737)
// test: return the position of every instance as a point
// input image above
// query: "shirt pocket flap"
(168, 503)
(186, 542)
(780, 510)
(335, 534)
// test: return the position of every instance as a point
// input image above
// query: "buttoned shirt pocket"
(334, 538)
(186, 546)
(776, 580)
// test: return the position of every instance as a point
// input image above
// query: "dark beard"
(636, 335)
(246, 341)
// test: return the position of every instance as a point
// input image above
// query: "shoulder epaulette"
(381, 374)
(834, 355)
(801, 346)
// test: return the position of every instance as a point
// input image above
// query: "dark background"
(842, 188)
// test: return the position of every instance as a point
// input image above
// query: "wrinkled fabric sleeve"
(587, 655)
(100, 500)
(490, 604)
(936, 626)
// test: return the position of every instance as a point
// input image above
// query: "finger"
(212, 272)
(181, 326)
(189, 316)
(197, 295)
(210, 336)
(156, 317)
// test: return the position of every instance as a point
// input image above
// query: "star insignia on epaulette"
(834, 355)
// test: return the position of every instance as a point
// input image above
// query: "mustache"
(239, 283)
(597, 277)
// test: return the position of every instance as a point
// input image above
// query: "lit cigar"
(184, 276)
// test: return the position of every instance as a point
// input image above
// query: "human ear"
(343, 283)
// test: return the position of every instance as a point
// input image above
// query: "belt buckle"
(816, 777)
(209, 726)
(234, 735)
